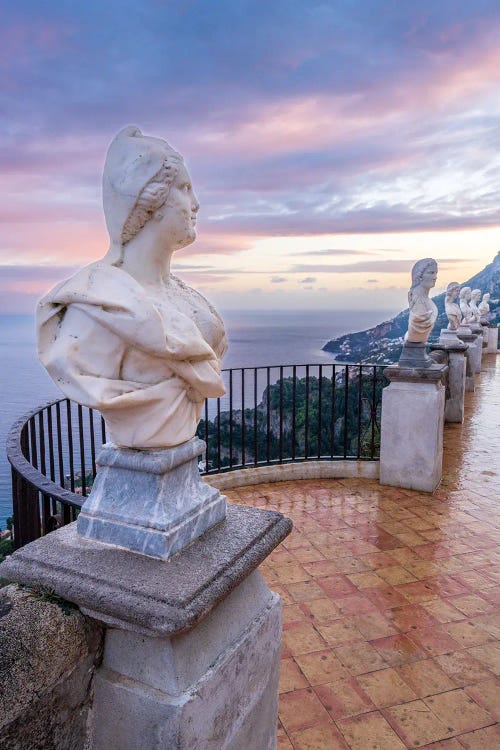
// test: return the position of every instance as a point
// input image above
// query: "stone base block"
(448, 336)
(191, 654)
(455, 351)
(214, 688)
(486, 336)
(474, 353)
(454, 408)
(414, 355)
(492, 347)
(470, 383)
(152, 502)
(411, 447)
(478, 350)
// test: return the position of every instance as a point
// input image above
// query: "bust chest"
(195, 307)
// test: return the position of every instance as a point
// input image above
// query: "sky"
(330, 144)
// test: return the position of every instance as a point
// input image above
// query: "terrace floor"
(391, 600)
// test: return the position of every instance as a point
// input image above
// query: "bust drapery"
(91, 329)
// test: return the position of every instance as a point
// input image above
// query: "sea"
(256, 338)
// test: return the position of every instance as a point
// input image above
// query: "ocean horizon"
(256, 338)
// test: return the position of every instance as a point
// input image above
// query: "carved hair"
(464, 292)
(476, 293)
(151, 198)
(452, 287)
(417, 274)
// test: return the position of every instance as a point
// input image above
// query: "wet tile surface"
(392, 600)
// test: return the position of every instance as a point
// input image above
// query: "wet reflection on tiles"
(392, 600)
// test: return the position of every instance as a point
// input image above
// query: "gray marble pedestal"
(152, 502)
(192, 647)
(411, 442)
(414, 354)
(455, 351)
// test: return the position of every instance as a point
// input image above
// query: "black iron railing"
(269, 415)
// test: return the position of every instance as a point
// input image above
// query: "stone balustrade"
(420, 400)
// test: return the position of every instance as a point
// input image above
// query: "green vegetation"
(318, 420)
(6, 548)
(6, 544)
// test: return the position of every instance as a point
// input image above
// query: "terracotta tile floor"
(391, 600)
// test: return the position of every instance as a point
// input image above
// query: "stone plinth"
(411, 446)
(153, 502)
(492, 340)
(191, 656)
(448, 336)
(455, 381)
(414, 354)
(478, 331)
(473, 351)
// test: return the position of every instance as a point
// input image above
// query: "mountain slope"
(383, 342)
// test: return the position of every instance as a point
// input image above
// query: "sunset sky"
(331, 144)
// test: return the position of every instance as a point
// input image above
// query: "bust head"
(486, 297)
(424, 273)
(476, 295)
(452, 291)
(465, 294)
(139, 175)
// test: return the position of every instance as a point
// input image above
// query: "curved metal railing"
(269, 415)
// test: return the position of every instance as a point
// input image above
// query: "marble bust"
(423, 311)
(451, 307)
(474, 301)
(124, 335)
(467, 315)
(484, 305)
(422, 315)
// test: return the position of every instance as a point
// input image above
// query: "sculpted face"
(177, 217)
(429, 277)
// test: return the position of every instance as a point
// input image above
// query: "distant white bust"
(484, 306)
(123, 335)
(452, 310)
(423, 311)
(474, 301)
(465, 295)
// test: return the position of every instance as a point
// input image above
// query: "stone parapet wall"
(292, 472)
(48, 654)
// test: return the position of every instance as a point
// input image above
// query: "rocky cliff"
(382, 343)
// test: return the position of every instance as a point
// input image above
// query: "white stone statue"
(124, 335)
(451, 308)
(423, 311)
(484, 306)
(467, 316)
(474, 301)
